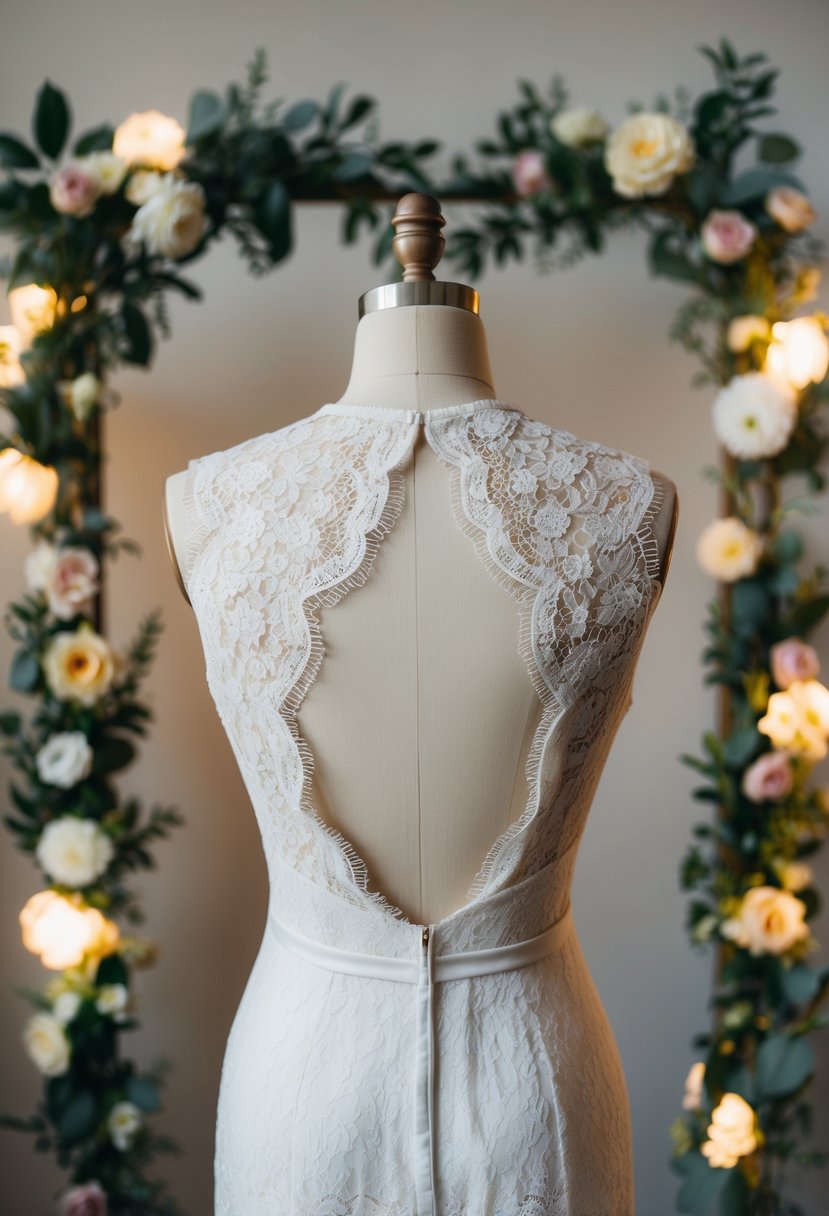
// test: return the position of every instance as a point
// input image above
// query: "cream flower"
(794, 875)
(65, 759)
(731, 1132)
(754, 416)
(693, 1086)
(123, 1122)
(78, 665)
(529, 173)
(791, 208)
(769, 779)
(793, 660)
(112, 1001)
(579, 127)
(172, 221)
(728, 550)
(727, 236)
(88, 1199)
(74, 582)
(150, 139)
(66, 1005)
(798, 719)
(11, 369)
(46, 1043)
(39, 565)
(744, 330)
(74, 851)
(84, 391)
(768, 921)
(644, 154)
(106, 170)
(142, 185)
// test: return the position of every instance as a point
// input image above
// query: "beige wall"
(586, 349)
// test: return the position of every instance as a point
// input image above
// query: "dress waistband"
(459, 965)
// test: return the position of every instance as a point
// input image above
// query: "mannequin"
(430, 628)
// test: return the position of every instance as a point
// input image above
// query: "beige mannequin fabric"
(423, 712)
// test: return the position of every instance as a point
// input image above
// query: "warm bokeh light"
(150, 139)
(28, 489)
(33, 308)
(62, 930)
(799, 351)
(11, 343)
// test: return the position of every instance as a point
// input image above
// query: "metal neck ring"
(397, 295)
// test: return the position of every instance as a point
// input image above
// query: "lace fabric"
(530, 1107)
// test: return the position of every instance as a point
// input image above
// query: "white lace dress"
(377, 1067)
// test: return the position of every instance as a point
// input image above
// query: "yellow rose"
(78, 665)
(731, 1132)
(769, 921)
(645, 152)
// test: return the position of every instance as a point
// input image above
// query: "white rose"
(645, 152)
(74, 851)
(112, 1000)
(123, 1122)
(142, 186)
(769, 921)
(754, 416)
(83, 393)
(66, 1005)
(106, 169)
(729, 550)
(65, 759)
(579, 127)
(46, 1043)
(791, 208)
(744, 330)
(39, 565)
(172, 222)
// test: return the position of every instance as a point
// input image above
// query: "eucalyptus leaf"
(783, 1064)
(755, 184)
(799, 983)
(299, 115)
(78, 1117)
(144, 1093)
(208, 112)
(776, 149)
(699, 1193)
(25, 671)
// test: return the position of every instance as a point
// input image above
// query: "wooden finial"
(418, 242)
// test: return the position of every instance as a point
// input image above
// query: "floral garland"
(103, 237)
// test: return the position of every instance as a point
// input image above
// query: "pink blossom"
(73, 192)
(727, 236)
(793, 660)
(530, 173)
(88, 1199)
(73, 582)
(769, 778)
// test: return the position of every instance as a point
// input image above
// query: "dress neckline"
(390, 412)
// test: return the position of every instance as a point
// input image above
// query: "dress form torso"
(422, 714)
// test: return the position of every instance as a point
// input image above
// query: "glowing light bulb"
(798, 352)
(61, 930)
(28, 489)
(33, 308)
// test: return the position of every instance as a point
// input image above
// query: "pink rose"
(88, 1199)
(727, 236)
(769, 778)
(793, 660)
(73, 582)
(73, 192)
(530, 173)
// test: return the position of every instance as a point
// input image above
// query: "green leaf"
(51, 120)
(783, 1064)
(78, 1118)
(667, 259)
(788, 547)
(355, 165)
(139, 337)
(357, 110)
(740, 747)
(207, 114)
(16, 155)
(98, 139)
(144, 1093)
(299, 115)
(112, 970)
(112, 753)
(755, 184)
(25, 671)
(750, 605)
(777, 149)
(9, 722)
(799, 983)
(273, 216)
(701, 1189)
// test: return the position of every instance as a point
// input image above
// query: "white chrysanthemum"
(754, 416)
(65, 759)
(579, 127)
(74, 851)
(728, 550)
(46, 1044)
(123, 1122)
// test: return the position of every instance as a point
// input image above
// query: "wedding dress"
(377, 1067)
